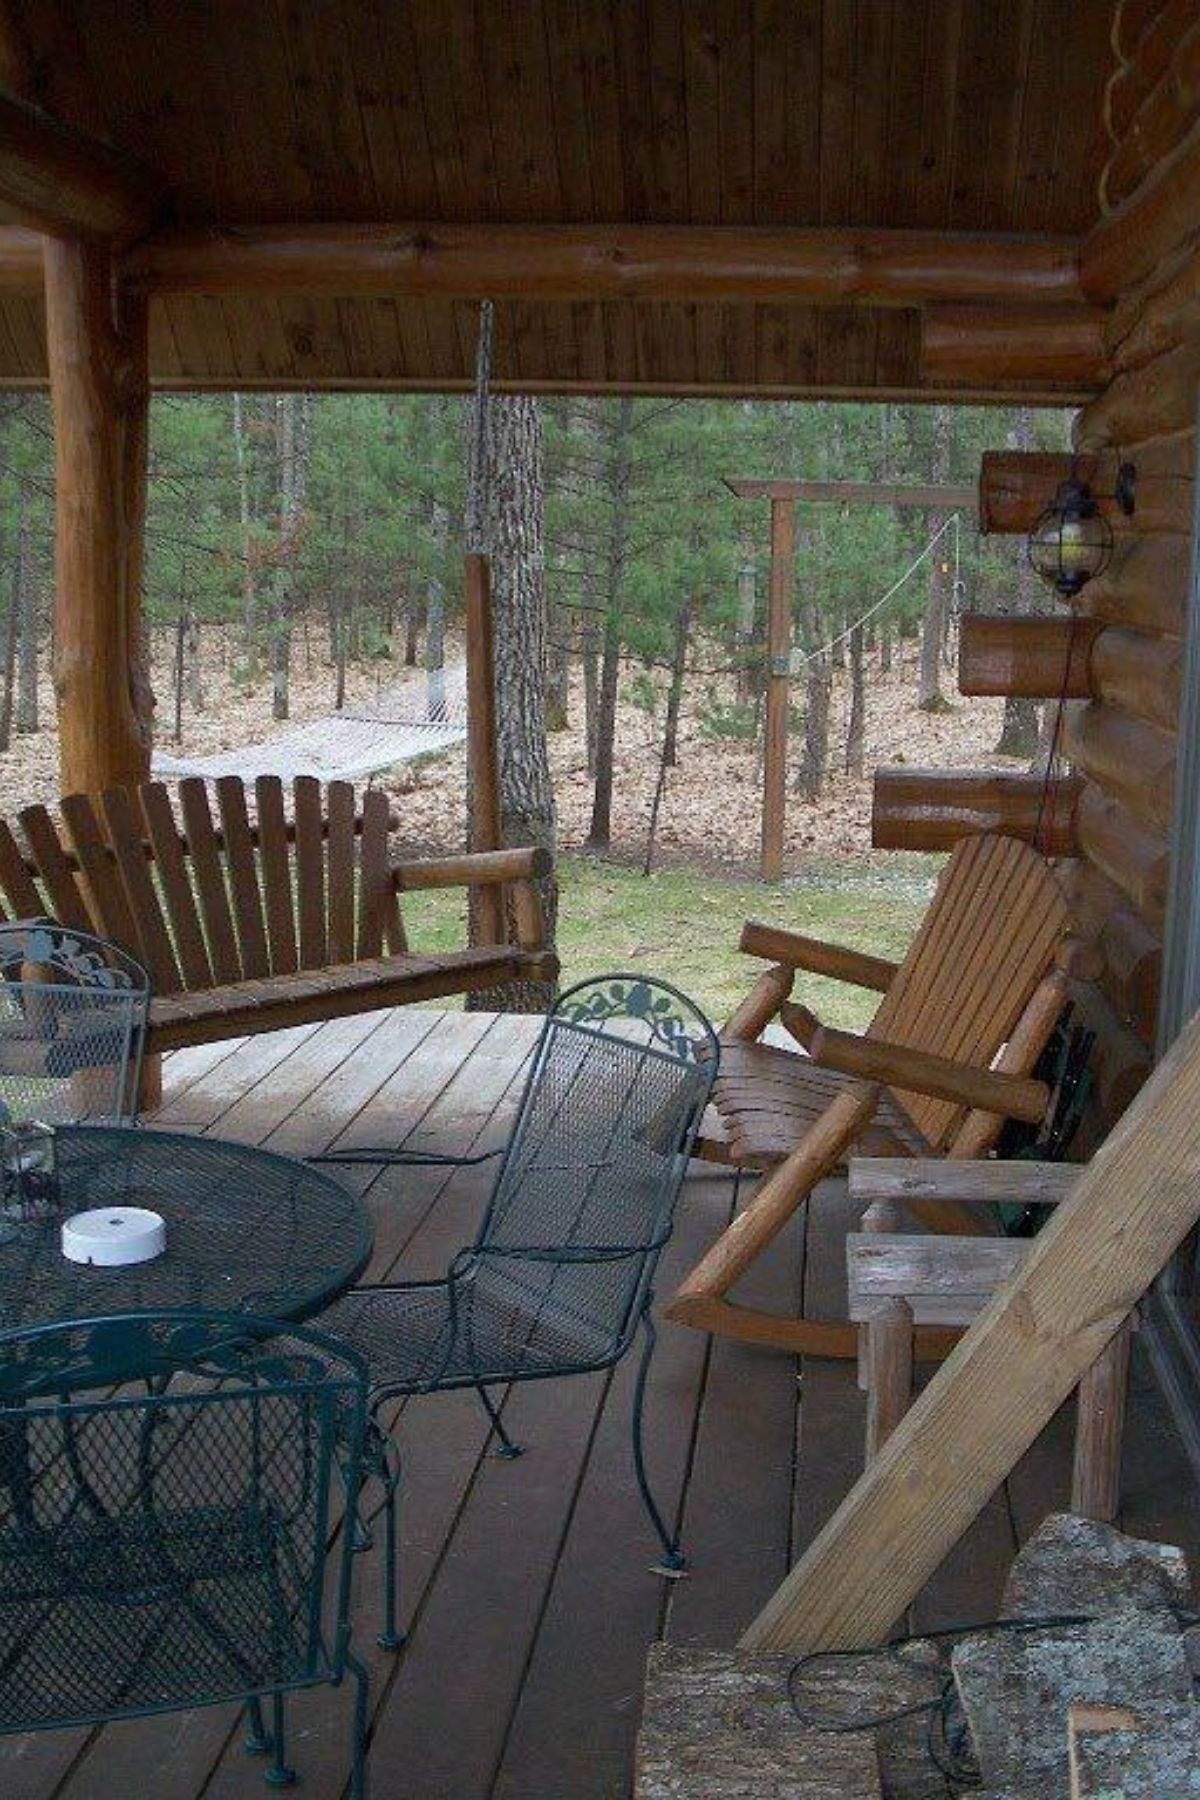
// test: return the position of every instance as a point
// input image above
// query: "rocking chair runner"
(946, 1059)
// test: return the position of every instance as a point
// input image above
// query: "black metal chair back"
(585, 1196)
(167, 1549)
(73, 1015)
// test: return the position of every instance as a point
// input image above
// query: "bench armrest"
(519, 870)
(921, 1072)
(817, 958)
(475, 868)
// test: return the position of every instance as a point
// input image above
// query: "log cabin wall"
(1117, 659)
(1143, 263)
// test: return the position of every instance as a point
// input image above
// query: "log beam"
(99, 390)
(1141, 233)
(931, 809)
(1016, 486)
(812, 265)
(1129, 759)
(20, 260)
(58, 181)
(1035, 658)
(985, 346)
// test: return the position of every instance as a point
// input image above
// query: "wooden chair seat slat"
(243, 876)
(61, 884)
(98, 866)
(373, 874)
(204, 853)
(21, 894)
(276, 874)
(277, 1001)
(310, 873)
(767, 1103)
(123, 829)
(178, 899)
(340, 851)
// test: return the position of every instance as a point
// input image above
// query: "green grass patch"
(682, 924)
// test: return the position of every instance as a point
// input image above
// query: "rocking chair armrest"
(922, 1072)
(816, 957)
(475, 868)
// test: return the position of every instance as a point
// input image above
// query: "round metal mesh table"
(247, 1231)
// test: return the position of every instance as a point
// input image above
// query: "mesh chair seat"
(504, 1318)
(109, 1615)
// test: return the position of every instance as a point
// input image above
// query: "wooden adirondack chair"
(945, 1061)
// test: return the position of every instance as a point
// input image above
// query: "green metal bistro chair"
(167, 1549)
(73, 1014)
(560, 1276)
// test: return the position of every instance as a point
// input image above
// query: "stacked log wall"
(1143, 262)
(1119, 666)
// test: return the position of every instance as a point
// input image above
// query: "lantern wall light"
(1072, 541)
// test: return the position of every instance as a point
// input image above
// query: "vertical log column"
(99, 388)
(779, 646)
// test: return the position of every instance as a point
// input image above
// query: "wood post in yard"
(99, 388)
(779, 645)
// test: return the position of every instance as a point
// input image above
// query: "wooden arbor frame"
(783, 496)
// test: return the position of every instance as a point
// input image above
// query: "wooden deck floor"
(528, 1584)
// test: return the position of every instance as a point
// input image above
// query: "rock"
(1077, 1566)
(718, 1725)
(1017, 1685)
(1143, 1752)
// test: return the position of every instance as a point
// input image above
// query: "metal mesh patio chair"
(167, 1549)
(560, 1276)
(73, 1013)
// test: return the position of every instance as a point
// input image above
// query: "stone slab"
(717, 1725)
(1074, 1566)
(1143, 1752)
(1017, 1686)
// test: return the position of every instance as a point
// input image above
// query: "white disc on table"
(114, 1235)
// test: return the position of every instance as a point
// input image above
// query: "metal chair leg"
(506, 1447)
(280, 1774)
(391, 1637)
(673, 1561)
(258, 1738)
(358, 1766)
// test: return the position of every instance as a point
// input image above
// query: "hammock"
(411, 720)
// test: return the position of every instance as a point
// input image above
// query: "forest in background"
(335, 522)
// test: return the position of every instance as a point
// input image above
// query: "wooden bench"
(898, 1281)
(258, 918)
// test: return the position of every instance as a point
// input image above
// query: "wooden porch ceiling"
(978, 117)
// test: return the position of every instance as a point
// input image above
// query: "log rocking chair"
(945, 1061)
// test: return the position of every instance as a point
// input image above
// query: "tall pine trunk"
(620, 468)
(291, 448)
(26, 604)
(930, 697)
(241, 455)
(515, 538)
(856, 724)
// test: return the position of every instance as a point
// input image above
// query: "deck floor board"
(528, 1584)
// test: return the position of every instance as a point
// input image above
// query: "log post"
(779, 639)
(99, 387)
(931, 809)
(1036, 658)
